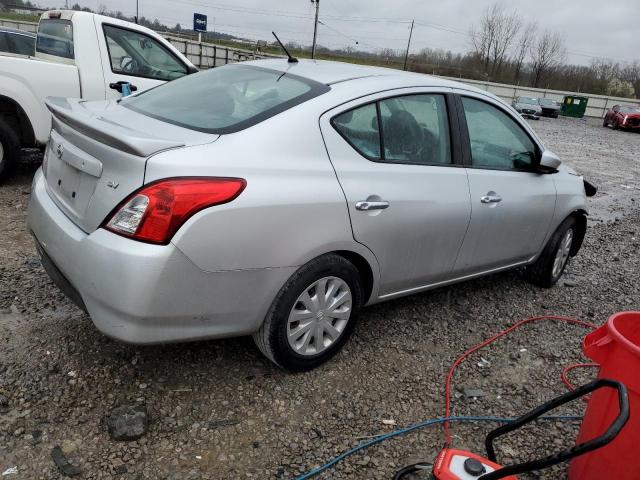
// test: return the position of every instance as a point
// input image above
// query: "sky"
(590, 28)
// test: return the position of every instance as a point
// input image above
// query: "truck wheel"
(9, 147)
(313, 315)
(549, 267)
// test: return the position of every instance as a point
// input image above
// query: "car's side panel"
(417, 238)
(291, 211)
(570, 196)
(513, 229)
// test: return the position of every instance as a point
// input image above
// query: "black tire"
(541, 272)
(616, 126)
(605, 122)
(10, 151)
(272, 340)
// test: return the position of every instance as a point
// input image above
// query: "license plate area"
(72, 176)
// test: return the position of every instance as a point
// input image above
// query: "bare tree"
(631, 73)
(527, 37)
(494, 36)
(546, 54)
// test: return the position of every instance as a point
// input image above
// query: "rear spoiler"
(72, 114)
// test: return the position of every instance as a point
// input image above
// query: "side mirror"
(549, 162)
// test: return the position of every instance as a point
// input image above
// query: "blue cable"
(385, 436)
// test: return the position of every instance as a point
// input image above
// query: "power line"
(365, 19)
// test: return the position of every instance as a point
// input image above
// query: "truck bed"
(29, 81)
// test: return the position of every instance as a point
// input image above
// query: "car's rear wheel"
(605, 122)
(313, 315)
(550, 266)
(9, 147)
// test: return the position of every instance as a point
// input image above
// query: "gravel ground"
(218, 410)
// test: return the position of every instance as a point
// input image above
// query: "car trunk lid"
(97, 154)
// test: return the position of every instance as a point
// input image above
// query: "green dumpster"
(574, 106)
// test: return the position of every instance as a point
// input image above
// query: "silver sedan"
(275, 200)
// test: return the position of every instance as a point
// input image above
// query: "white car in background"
(80, 55)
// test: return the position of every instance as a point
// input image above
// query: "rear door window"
(409, 129)
(359, 127)
(55, 37)
(133, 53)
(22, 44)
(4, 44)
(415, 129)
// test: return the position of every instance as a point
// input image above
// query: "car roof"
(331, 72)
(17, 31)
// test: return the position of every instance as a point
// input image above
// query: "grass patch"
(19, 17)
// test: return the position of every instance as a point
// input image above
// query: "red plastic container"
(616, 347)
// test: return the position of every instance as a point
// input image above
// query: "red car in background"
(621, 116)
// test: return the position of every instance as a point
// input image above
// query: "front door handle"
(120, 86)
(371, 205)
(491, 197)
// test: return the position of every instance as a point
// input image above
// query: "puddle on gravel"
(10, 318)
(608, 207)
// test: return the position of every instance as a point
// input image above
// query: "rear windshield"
(55, 37)
(528, 100)
(225, 99)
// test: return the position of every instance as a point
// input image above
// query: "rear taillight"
(155, 212)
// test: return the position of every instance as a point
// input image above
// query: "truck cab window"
(55, 37)
(133, 53)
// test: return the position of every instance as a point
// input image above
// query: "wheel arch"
(364, 269)
(581, 222)
(18, 118)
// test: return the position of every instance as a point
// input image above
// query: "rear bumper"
(142, 293)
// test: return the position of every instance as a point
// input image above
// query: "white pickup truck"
(81, 55)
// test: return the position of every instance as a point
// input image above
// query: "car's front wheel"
(547, 270)
(313, 315)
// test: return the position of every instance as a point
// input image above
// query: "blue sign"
(199, 22)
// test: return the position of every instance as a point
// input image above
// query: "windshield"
(547, 101)
(528, 100)
(629, 109)
(225, 99)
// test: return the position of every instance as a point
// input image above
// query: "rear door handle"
(491, 197)
(366, 205)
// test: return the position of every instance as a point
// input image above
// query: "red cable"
(565, 379)
(447, 390)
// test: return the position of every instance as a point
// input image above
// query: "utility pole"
(406, 55)
(137, 10)
(315, 28)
